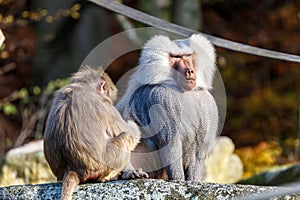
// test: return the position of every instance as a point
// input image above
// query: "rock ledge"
(141, 189)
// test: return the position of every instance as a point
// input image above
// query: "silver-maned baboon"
(168, 96)
(85, 137)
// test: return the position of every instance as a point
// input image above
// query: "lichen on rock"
(141, 189)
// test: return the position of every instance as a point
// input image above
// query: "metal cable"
(183, 31)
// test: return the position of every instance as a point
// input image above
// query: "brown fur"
(86, 138)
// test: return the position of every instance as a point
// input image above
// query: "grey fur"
(179, 127)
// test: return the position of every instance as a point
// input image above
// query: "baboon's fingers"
(139, 173)
(134, 174)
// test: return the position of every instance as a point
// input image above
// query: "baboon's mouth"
(190, 79)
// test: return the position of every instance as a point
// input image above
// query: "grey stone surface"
(141, 189)
(276, 176)
(25, 165)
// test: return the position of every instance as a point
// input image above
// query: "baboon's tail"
(70, 181)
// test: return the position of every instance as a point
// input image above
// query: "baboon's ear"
(102, 87)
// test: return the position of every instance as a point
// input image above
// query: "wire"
(183, 31)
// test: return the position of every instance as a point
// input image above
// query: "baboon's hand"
(134, 174)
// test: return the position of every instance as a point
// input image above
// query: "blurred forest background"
(47, 40)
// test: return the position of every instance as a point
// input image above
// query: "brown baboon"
(86, 138)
